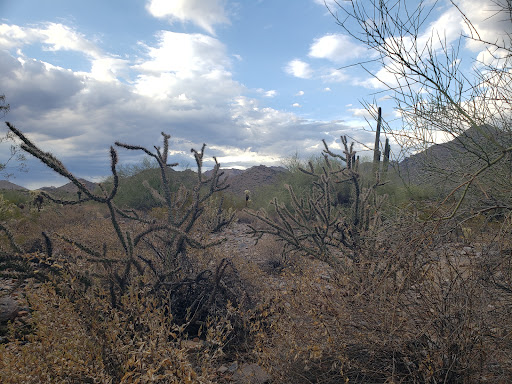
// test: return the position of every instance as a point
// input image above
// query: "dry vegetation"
(397, 299)
(349, 276)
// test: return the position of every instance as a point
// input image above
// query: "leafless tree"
(426, 75)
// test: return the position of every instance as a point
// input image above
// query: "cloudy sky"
(257, 80)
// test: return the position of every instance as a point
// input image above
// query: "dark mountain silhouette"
(70, 187)
(7, 185)
(445, 165)
(250, 179)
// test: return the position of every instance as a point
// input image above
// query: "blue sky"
(257, 80)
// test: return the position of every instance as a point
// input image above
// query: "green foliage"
(8, 208)
(401, 192)
(132, 193)
(17, 197)
(300, 182)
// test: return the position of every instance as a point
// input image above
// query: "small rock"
(233, 366)
(222, 369)
(251, 374)
(8, 309)
(191, 344)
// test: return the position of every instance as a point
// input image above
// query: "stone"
(191, 345)
(222, 369)
(251, 374)
(8, 309)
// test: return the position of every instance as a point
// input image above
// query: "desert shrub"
(301, 183)
(59, 350)
(80, 340)
(157, 251)
(216, 216)
(414, 312)
(17, 197)
(8, 208)
(384, 296)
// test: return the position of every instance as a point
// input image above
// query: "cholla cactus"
(313, 224)
(184, 209)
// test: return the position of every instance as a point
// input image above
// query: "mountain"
(239, 180)
(447, 164)
(254, 178)
(228, 173)
(70, 187)
(7, 185)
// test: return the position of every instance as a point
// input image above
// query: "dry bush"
(60, 350)
(245, 218)
(415, 311)
(141, 284)
(270, 255)
(385, 295)
(85, 341)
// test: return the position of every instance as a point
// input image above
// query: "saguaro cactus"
(376, 149)
(385, 162)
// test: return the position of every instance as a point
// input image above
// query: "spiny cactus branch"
(312, 224)
(10, 237)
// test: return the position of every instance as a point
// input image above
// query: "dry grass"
(416, 309)
(59, 350)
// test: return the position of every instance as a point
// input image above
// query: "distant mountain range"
(252, 178)
(70, 187)
(7, 185)
(239, 180)
(441, 165)
(67, 188)
(445, 164)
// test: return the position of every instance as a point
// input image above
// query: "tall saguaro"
(385, 161)
(376, 149)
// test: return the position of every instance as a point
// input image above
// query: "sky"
(258, 81)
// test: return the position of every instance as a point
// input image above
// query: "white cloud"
(185, 54)
(327, 89)
(194, 64)
(296, 105)
(271, 93)
(182, 85)
(489, 17)
(360, 112)
(58, 37)
(230, 155)
(337, 48)
(53, 36)
(331, 4)
(300, 93)
(384, 98)
(486, 18)
(299, 68)
(204, 14)
(335, 76)
(108, 68)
